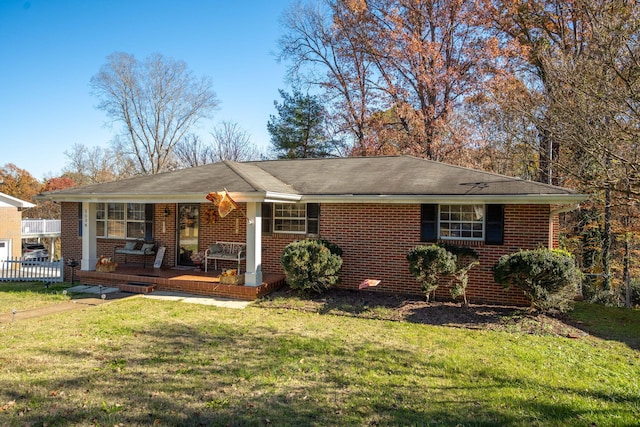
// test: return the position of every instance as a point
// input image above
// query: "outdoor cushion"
(147, 246)
(215, 249)
(130, 245)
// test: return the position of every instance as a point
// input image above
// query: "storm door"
(188, 219)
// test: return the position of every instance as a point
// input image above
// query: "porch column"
(253, 275)
(89, 256)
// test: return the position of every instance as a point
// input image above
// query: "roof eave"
(536, 199)
(240, 197)
(261, 196)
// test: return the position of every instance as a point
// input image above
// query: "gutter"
(554, 212)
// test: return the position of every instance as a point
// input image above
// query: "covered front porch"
(133, 278)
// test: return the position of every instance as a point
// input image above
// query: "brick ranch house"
(375, 208)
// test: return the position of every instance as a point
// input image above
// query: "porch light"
(167, 211)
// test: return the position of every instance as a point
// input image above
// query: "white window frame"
(102, 216)
(301, 208)
(459, 218)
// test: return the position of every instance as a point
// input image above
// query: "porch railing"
(40, 227)
(20, 270)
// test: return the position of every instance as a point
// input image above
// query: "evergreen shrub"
(550, 278)
(310, 265)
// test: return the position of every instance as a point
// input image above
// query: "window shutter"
(267, 218)
(428, 223)
(149, 211)
(79, 219)
(313, 218)
(495, 225)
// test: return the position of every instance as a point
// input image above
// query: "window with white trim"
(124, 220)
(291, 218)
(461, 222)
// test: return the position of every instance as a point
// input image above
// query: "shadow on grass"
(609, 323)
(168, 373)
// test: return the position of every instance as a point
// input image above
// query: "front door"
(188, 219)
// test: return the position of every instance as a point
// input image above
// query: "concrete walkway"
(197, 299)
(168, 296)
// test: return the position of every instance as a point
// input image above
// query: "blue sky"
(50, 49)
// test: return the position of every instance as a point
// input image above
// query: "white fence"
(40, 227)
(19, 270)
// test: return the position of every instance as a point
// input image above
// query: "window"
(124, 220)
(462, 222)
(290, 218)
(293, 218)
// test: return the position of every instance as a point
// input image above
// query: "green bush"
(310, 265)
(549, 278)
(428, 264)
(466, 259)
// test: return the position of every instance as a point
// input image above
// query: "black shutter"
(267, 218)
(79, 219)
(429, 223)
(495, 225)
(313, 218)
(149, 211)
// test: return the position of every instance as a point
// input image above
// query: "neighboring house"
(375, 208)
(11, 226)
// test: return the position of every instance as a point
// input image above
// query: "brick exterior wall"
(375, 239)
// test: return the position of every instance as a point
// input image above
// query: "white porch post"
(253, 275)
(89, 256)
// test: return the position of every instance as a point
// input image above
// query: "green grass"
(28, 295)
(620, 324)
(144, 362)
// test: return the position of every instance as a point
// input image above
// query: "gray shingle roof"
(309, 178)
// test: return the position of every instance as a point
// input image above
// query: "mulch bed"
(375, 305)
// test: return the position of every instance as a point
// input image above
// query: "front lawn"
(28, 295)
(146, 362)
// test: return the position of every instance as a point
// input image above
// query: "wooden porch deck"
(131, 278)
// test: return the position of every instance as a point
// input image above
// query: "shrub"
(310, 265)
(428, 263)
(335, 249)
(466, 259)
(549, 278)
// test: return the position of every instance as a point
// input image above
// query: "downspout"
(556, 211)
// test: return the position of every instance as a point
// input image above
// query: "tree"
(537, 29)
(298, 130)
(323, 52)
(48, 209)
(157, 102)
(93, 165)
(19, 183)
(231, 142)
(398, 69)
(593, 112)
(192, 152)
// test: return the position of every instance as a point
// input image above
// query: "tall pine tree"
(298, 131)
